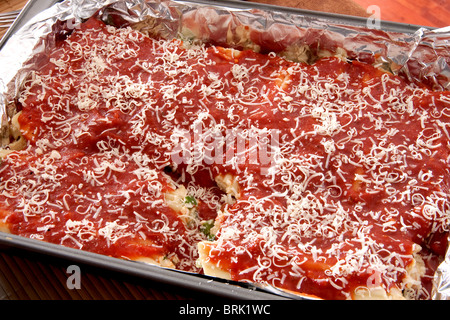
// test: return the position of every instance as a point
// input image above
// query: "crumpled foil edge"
(422, 56)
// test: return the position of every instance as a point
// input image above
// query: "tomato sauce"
(341, 167)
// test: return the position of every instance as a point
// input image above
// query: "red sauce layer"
(342, 168)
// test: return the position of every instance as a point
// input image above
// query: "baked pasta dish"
(310, 172)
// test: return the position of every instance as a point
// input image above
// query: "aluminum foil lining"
(422, 55)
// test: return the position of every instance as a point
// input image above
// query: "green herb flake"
(190, 200)
(206, 227)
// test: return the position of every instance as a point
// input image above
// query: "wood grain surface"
(332, 6)
(10, 5)
(434, 13)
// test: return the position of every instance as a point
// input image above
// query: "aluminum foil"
(421, 55)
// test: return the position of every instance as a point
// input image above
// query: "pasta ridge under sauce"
(335, 173)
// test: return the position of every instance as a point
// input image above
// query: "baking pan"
(217, 287)
(332, 17)
(34, 7)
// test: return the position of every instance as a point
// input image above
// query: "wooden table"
(10, 5)
(25, 276)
